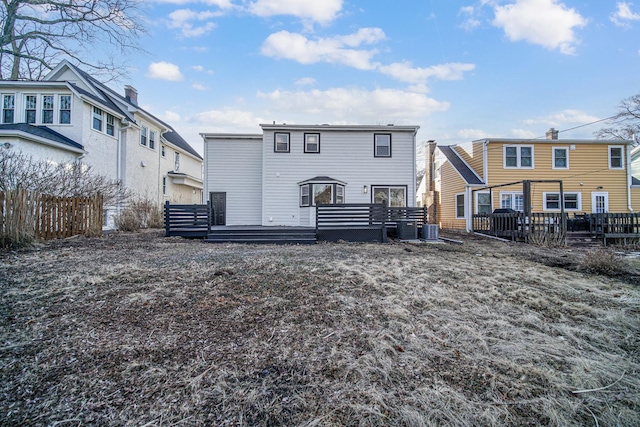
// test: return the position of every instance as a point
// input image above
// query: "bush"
(140, 213)
(604, 262)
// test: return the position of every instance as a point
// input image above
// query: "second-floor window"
(110, 125)
(616, 158)
(176, 161)
(8, 108)
(97, 119)
(281, 142)
(65, 110)
(163, 150)
(518, 156)
(152, 140)
(560, 158)
(143, 136)
(30, 108)
(382, 145)
(311, 142)
(47, 109)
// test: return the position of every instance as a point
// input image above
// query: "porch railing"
(518, 226)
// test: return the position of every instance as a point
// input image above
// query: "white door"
(599, 202)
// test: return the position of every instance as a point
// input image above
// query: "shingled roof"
(42, 132)
(459, 165)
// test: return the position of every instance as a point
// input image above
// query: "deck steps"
(582, 239)
(264, 235)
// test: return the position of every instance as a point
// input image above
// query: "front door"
(218, 206)
(599, 202)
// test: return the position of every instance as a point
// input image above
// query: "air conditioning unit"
(430, 231)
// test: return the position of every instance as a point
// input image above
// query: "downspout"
(485, 162)
(629, 178)
(469, 208)
(120, 169)
(413, 181)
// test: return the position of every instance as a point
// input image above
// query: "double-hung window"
(382, 145)
(311, 142)
(281, 142)
(143, 136)
(163, 150)
(176, 161)
(8, 108)
(572, 201)
(616, 157)
(513, 201)
(460, 205)
(483, 203)
(97, 119)
(152, 140)
(392, 196)
(64, 117)
(518, 156)
(30, 108)
(110, 125)
(47, 109)
(560, 158)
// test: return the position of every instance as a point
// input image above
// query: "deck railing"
(518, 226)
(186, 220)
(615, 225)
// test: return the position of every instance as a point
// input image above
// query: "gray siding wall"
(344, 155)
(235, 167)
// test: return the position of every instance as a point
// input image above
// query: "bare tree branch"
(625, 124)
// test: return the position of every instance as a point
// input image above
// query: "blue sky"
(461, 70)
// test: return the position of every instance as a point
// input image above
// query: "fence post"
(167, 227)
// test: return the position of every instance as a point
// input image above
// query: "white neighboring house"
(275, 178)
(71, 116)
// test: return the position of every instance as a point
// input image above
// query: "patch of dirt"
(139, 329)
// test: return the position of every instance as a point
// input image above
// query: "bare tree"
(625, 124)
(36, 34)
(66, 180)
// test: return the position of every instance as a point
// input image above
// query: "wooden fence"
(25, 215)
(615, 226)
(186, 220)
(537, 227)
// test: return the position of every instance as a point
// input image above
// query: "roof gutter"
(44, 141)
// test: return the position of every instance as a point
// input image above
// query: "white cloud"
(170, 117)
(405, 72)
(623, 15)
(523, 134)
(164, 71)
(305, 81)
(182, 19)
(470, 21)
(543, 22)
(471, 134)
(199, 86)
(562, 118)
(228, 120)
(323, 11)
(339, 49)
(222, 4)
(201, 69)
(358, 105)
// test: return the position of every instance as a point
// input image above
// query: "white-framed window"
(110, 125)
(315, 193)
(460, 205)
(382, 145)
(97, 119)
(164, 185)
(560, 158)
(47, 109)
(152, 140)
(518, 156)
(143, 136)
(572, 201)
(176, 161)
(392, 196)
(599, 202)
(512, 200)
(483, 203)
(163, 150)
(311, 142)
(64, 116)
(8, 108)
(30, 108)
(616, 157)
(281, 142)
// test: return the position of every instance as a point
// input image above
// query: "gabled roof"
(112, 100)
(42, 132)
(460, 166)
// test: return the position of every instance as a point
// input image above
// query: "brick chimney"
(131, 94)
(552, 134)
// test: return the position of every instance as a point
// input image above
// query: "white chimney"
(131, 94)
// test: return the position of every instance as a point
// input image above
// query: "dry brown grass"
(137, 329)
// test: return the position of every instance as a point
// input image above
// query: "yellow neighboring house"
(596, 177)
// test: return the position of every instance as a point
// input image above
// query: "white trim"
(518, 148)
(476, 201)
(576, 209)
(553, 158)
(622, 153)
(35, 138)
(513, 195)
(464, 205)
(595, 194)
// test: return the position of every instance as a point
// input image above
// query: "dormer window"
(31, 103)
(97, 119)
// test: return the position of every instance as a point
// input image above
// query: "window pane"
(30, 109)
(525, 157)
(312, 143)
(339, 194)
(571, 201)
(397, 197)
(560, 156)
(322, 194)
(553, 201)
(484, 203)
(460, 206)
(382, 145)
(505, 201)
(304, 195)
(616, 157)
(519, 202)
(381, 195)
(65, 109)
(511, 156)
(282, 142)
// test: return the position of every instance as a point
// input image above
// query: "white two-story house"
(275, 178)
(70, 116)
